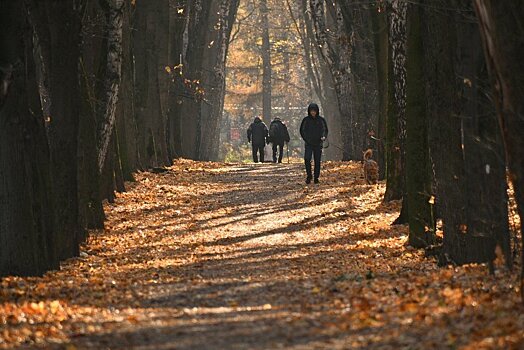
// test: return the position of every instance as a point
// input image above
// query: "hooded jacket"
(278, 133)
(313, 129)
(257, 132)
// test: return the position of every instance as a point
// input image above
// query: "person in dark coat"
(314, 131)
(278, 135)
(257, 134)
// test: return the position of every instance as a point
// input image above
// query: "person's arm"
(302, 129)
(325, 128)
(249, 132)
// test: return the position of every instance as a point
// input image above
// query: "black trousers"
(316, 153)
(280, 147)
(256, 150)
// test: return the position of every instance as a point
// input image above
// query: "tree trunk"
(152, 148)
(322, 84)
(108, 99)
(396, 123)
(191, 124)
(266, 62)
(126, 114)
(178, 23)
(464, 170)
(337, 56)
(58, 26)
(418, 166)
(504, 52)
(91, 212)
(380, 39)
(215, 80)
(27, 244)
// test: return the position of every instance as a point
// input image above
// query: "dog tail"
(368, 154)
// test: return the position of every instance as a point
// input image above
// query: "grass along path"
(217, 256)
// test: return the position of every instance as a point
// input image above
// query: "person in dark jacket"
(314, 131)
(257, 134)
(278, 135)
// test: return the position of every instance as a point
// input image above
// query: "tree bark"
(58, 26)
(418, 176)
(381, 39)
(215, 80)
(465, 172)
(501, 28)
(126, 113)
(151, 123)
(191, 124)
(322, 83)
(337, 56)
(108, 99)
(266, 62)
(396, 123)
(27, 242)
(178, 23)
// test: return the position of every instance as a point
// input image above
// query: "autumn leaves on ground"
(216, 256)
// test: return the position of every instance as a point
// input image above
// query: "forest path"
(215, 256)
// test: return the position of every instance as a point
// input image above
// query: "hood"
(257, 120)
(313, 106)
(277, 119)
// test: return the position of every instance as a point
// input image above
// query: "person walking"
(257, 134)
(278, 136)
(314, 131)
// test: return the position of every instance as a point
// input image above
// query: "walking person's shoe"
(317, 181)
(308, 180)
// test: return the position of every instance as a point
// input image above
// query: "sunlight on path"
(214, 256)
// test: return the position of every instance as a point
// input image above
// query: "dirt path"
(213, 256)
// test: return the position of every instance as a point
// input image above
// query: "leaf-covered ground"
(215, 256)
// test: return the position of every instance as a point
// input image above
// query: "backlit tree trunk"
(337, 56)
(266, 62)
(190, 123)
(211, 110)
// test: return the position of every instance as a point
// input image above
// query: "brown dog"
(370, 168)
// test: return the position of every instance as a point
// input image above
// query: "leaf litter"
(211, 255)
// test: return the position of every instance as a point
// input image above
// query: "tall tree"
(381, 39)
(148, 42)
(197, 31)
(107, 102)
(266, 62)
(501, 27)
(418, 166)
(319, 78)
(215, 80)
(337, 54)
(178, 24)
(395, 123)
(58, 26)
(91, 212)
(27, 244)
(472, 223)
